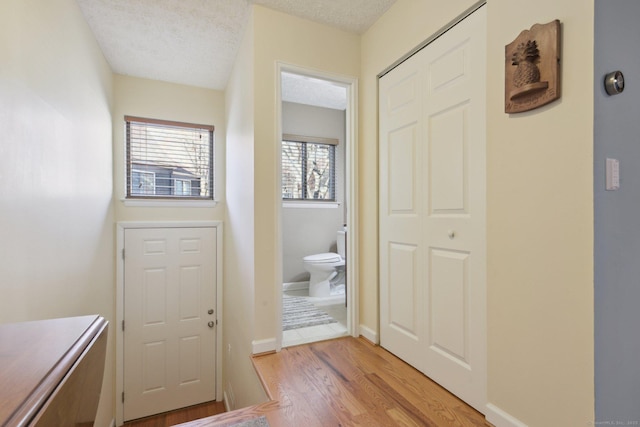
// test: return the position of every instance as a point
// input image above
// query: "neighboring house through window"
(168, 160)
(308, 168)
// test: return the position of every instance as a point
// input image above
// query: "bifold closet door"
(433, 210)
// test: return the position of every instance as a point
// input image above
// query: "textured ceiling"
(312, 91)
(355, 16)
(194, 42)
(191, 42)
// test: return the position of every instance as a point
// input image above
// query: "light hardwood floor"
(179, 416)
(347, 382)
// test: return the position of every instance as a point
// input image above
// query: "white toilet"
(322, 268)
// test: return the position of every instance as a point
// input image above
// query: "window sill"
(311, 205)
(146, 203)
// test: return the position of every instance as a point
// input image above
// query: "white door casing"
(433, 210)
(351, 201)
(170, 319)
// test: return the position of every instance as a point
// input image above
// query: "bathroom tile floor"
(333, 306)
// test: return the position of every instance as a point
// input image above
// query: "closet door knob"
(211, 324)
(451, 234)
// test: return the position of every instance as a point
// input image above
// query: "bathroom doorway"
(317, 214)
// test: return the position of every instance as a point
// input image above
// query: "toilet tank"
(341, 243)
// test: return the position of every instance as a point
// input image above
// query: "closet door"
(402, 272)
(433, 210)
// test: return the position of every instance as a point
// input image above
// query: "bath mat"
(298, 313)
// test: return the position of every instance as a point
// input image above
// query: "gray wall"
(308, 231)
(617, 214)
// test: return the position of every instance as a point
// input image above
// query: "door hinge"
(123, 397)
(122, 253)
(123, 325)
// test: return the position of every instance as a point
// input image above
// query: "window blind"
(168, 160)
(308, 168)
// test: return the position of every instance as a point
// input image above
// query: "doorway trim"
(121, 226)
(351, 190)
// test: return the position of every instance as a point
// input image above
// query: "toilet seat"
(323, 258)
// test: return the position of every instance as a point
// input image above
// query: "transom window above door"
(168, 160)
(308, 168)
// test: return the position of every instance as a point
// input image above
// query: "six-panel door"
(433, 210)
(170, 333)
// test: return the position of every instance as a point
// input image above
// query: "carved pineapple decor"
(532, 68)
(525, 58)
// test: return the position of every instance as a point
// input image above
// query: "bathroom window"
(168, 160)
(308, 168)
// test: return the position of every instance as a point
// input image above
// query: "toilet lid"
(322, 258)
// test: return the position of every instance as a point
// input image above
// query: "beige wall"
(253, 196)
(240, 383)
(294, 41)
(540, 209)
(168, 101)
(56, 251)
(540, 223)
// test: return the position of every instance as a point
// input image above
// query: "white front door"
(433, 210)
(169, 319)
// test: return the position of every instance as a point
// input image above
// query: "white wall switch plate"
(613, 174)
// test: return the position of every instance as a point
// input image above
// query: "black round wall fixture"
(614, 82)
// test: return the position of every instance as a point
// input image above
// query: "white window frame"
(170, 200)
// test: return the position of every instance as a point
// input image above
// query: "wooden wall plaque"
(532, 68)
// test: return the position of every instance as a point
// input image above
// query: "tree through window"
(308, 168)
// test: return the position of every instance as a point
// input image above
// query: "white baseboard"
(295, 286)
(263, 346)
(227, 408)
(113, 422)
(500, 418)
(369, 334)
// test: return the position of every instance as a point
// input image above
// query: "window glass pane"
(174, 159)
(308, 171)
(143, 183)
(292, 162)
(319, 172)
(182, 187)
